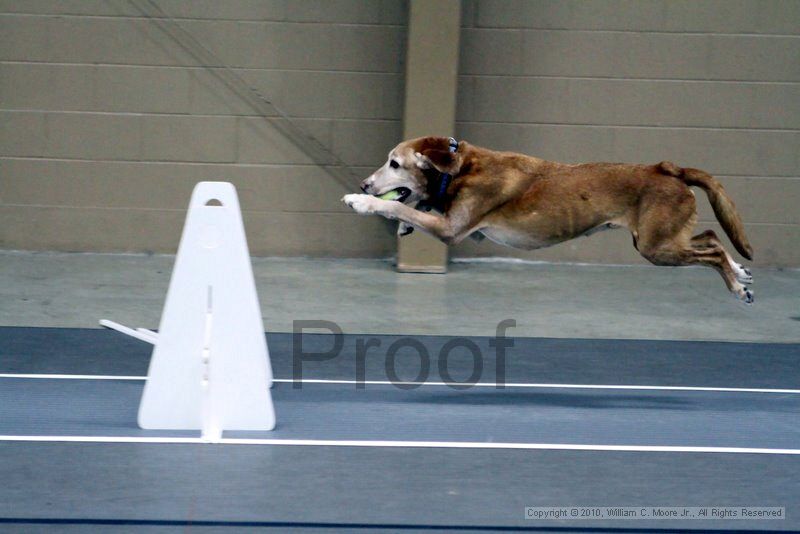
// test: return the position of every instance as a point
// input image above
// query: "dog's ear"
(442, 160)
(422, 162)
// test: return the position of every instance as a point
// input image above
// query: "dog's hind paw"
(745, 294)
(743, 274)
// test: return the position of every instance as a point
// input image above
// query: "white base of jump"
(210, 368)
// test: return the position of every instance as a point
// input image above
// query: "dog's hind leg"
(705, 239)
(735, 276)
(664, 237)
(709, 239)
(677, 253)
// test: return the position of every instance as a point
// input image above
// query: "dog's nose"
(364, 186)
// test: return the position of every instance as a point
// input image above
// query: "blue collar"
(444, 179)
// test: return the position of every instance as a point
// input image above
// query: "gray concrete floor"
(368, 296)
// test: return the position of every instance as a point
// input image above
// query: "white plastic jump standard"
(210, 368)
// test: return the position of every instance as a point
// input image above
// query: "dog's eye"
(393, 164)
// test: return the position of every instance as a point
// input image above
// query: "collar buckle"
(453, 144)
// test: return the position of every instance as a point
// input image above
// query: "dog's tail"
(723, 206)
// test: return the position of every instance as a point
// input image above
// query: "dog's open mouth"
(399, 194)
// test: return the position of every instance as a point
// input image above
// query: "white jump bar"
(141, 334)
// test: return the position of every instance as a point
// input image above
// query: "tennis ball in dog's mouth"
(390, 195)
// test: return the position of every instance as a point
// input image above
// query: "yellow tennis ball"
(390, 195)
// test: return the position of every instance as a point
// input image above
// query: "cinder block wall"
(105, 123)
(713, 84)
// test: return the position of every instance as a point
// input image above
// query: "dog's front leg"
(437, 225)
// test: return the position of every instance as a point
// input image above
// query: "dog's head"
(413, 168)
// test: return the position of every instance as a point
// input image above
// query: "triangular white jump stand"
(210, 368)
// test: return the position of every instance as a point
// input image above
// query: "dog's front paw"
(362, 204)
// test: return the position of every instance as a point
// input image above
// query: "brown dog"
(528, 203)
